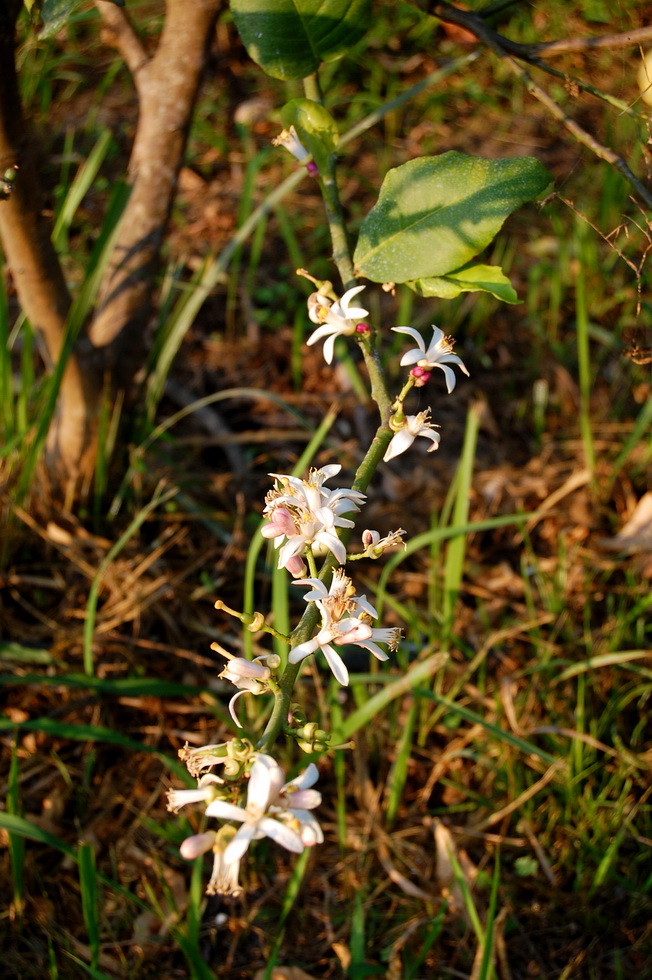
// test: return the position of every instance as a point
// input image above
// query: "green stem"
(379, 391)
(312, 88)
(335, 217)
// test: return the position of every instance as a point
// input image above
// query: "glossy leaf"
(470, 278)
(56, 13)
(291, 38)
(434, 214)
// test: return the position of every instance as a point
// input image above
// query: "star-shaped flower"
(338, 319)
(438, 355)
(273, 809)
(346, 619)
(415, 425)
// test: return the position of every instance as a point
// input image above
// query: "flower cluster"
(305, 519)
(338, 318)
(305, 514)
(273, 808)
(345, 618)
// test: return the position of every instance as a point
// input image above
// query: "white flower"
(438, 355)
(271, 810)
(306, 514)
(250, 676)
(339, 599)
(289, 139)
(335, 603)
(224, 877)
(415, 425)
(205, 793)
(294, 803)
(338, 319)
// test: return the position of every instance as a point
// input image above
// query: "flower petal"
(449, 374)
(279, 833)
(336, 664)
(226, 811)
(328, 349)
(400, 442)
(303, 650)
(306, 779)
(411, 332)
(240, 843)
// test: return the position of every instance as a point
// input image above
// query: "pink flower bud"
(420, 375)
(192, 847)
(239, 667)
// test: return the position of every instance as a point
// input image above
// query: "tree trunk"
(112, 347)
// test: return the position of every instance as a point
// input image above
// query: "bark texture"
(167, 87)
(111, 348)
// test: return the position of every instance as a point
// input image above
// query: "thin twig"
(119, 32)
(550, 49)
(503, 49)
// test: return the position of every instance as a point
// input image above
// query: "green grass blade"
(290, 897)
(456, 551)
(79, 188)
(93, 733)
(583, 354)
(603, 660)
(130, 687)
(7, 407)
(399, 771)
(640, 431)
(79, 312)
(486, 964)
(365, 714)
(411, 972)
(24, 655)
(357, 969)
(90, 900)
(16, 842)
(520, 743)
(435, 534)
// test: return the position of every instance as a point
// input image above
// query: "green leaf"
(434, 214)
(315, 127)
(290, 38)
(27, 655)
(471, 278)
(56, 13)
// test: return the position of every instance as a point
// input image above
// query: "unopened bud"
(193, 847)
